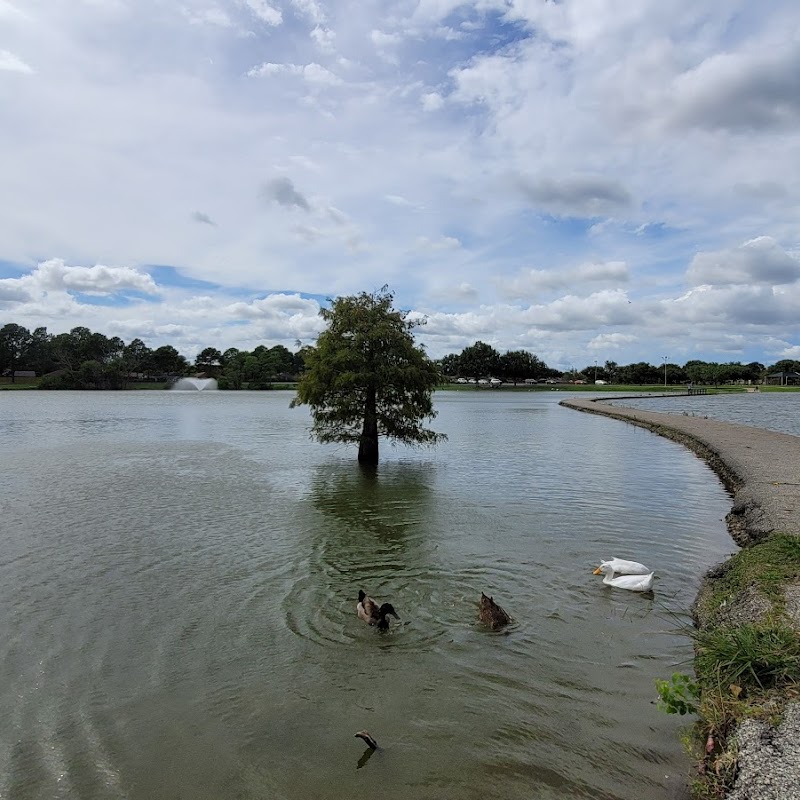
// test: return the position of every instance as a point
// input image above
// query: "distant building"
(784, 378)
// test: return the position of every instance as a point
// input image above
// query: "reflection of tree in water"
(375, 520)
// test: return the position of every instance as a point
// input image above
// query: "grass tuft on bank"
(765, 568)
(747, 654)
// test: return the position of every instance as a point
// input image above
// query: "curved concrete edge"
(761, 469)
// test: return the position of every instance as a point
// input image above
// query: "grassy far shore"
(21, 385)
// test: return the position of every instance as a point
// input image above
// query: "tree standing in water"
(366, 378)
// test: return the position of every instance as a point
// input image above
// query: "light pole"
(595, 370)
(665, 371)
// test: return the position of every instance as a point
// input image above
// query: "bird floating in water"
(367, 737)
(373, 614)
(633, 583)
(622, 567)
(492, 614)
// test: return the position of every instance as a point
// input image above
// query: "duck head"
(388, 608)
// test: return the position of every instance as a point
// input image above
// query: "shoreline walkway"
(761, 468)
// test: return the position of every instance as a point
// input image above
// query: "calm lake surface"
(775, 411)
(178, 581)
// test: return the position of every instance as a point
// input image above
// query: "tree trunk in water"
(368, 446)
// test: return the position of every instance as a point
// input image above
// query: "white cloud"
(312, 73)
(382, 40)
(756, 88)
(441, 243)
(266, 13)
(533, 281)
(56, 276)
(790, 352)
(759, 261)
(610, 341)
(324, 38)
(736, 305)
(12, 63)
(311, 9)
(624, 150)
(211, 15)
(432, 101)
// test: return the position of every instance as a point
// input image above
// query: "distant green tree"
(450, 365)
(675, 374)
(208, 359)
(516, 365)
(14, 343)
(754, 371)
(611, 371)
(40, 356)
(697, 371)
(640, 373)
(785, 365)
(480, 360)
(366, 378)
(138, 356)
(167, 360)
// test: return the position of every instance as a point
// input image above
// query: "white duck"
(622, 567)
(633, 583)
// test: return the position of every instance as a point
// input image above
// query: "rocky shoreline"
(753, 746)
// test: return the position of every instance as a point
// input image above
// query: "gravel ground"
(762, 469)
(769, 759)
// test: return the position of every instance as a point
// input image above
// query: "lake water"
(178, 580)
(775, 411)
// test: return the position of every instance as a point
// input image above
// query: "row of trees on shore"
(482, 360)
(85, 359)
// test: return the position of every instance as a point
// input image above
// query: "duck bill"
(598, 571)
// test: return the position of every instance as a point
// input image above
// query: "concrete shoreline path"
(761, 469)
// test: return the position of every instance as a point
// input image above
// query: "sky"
(589, 180)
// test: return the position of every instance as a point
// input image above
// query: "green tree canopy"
(207, 358)
(480, 360)
(168, 360)
(14, 343)
(366, 378)
(516, 365)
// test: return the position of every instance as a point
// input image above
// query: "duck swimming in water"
(368, 610)
(633, 583)
(622, 566)
(492, 614)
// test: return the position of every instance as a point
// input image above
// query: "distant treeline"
(480, 360)
(83, 359)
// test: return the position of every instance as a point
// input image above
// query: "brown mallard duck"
(492, 614)
(373, 614)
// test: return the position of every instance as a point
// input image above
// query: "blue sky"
(585, 179)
